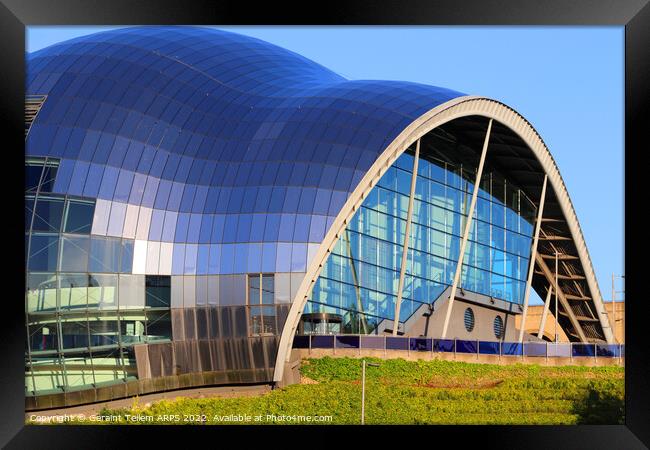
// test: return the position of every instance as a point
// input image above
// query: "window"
(74, 254)
(73, 291)
(469, 320)
(32, 176)
(104, 254)
(38, 172)
(261, 292)
(49, 176)
(41, 292)
(498, 327)
(43, 252)
(158, 325)
(79, 217)
(42, 333)
(47, 216)
(126, 259)
(158, 291)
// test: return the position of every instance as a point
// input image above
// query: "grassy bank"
(413, 392)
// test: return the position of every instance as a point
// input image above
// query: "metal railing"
(477, 347)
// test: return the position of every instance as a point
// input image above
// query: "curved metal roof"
(202, 121)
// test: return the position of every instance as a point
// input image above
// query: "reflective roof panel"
(211, 125)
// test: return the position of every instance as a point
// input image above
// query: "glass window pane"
(43, 252)
(32, 176)
(102, 291)
(74, 254)
(268, 320)
(79, 216)
(255, 320)
(43, 333)
(47, 216)
(254, 289)
(158, 325)
(131, 291)
(267, 289)
(103, 329)
(41, 292)
(104, 254)
(126, 259)
(73, 291)
(157, 291)
(74, 331)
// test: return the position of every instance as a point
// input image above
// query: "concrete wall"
(483, 322)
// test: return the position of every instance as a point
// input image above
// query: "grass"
(414, 392)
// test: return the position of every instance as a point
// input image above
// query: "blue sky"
(567, 81)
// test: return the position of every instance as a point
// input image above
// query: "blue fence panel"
(421, 344)
(347, 341)
(512, 349)
(608, 350)
(488, 348)
(583, 350)
(465, 346)
(322, 341)
(559, 350)
(397, 343)
(443, 345)
(301, 342)
(372, 342)
(535, 349)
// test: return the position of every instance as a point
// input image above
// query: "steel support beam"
(547, 303)
(407, 239)
(565, 303)
(355, 280)
(468, 225)
(533, 253)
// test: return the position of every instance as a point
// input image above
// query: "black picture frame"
(15, 15)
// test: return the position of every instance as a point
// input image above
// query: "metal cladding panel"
(204, 356)
(257, 347)
(155, 360)
(202, 323)
(245, 150)
(190, 328)
(226, 322)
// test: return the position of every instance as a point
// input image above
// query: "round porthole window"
(469, 320)
(498, 327)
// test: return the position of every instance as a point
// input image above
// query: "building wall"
(484, 318)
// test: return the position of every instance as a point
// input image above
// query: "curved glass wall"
(84, 309)
(359, 280)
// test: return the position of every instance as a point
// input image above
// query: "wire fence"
(478, 347)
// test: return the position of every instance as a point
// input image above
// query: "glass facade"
(360, 278)
(84, 308)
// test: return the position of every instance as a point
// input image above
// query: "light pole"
(363, 389)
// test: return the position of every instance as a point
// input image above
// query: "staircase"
(416, 323)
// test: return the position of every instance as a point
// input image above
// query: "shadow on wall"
(601, 406)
